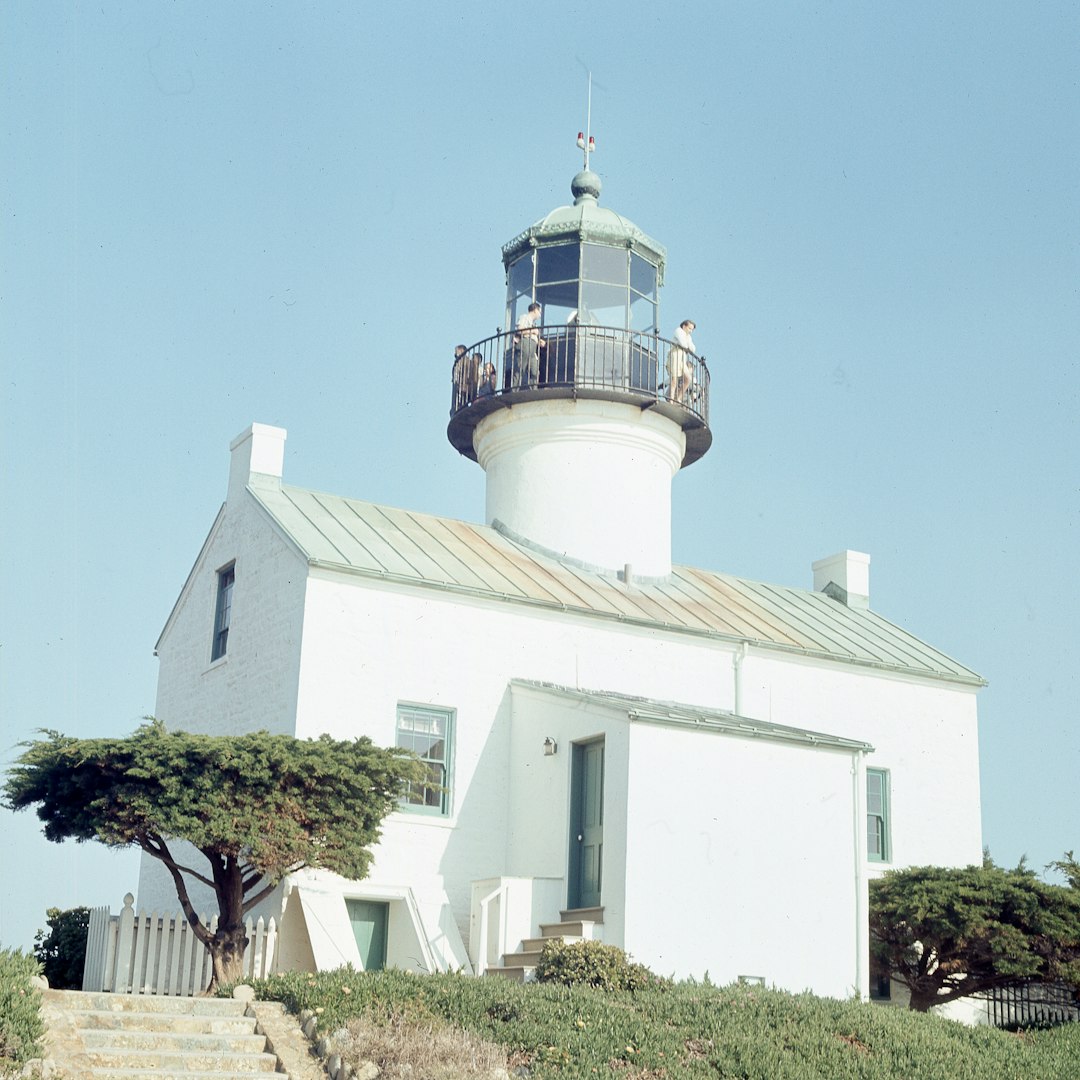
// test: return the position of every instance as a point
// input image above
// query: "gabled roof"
(696, 717)
(403, 546)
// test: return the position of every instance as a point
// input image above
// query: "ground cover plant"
(687, 1030)
(21, 1029)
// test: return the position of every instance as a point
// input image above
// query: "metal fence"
(1031, 1005)
(626, 363)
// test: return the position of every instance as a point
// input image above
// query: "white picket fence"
(145, 953)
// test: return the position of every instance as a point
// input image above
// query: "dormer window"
(223, 612)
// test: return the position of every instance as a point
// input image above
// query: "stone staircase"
(132, 1037)
(576, 924)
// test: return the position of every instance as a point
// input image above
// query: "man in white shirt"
(529, 342)
(679, 364)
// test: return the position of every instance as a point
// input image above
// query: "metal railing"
(601, 360)
(1032, 1005)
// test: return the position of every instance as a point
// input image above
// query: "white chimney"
(258, 451)
(844, 576)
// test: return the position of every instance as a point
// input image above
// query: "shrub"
(592, 963)
(21, 1028)
(62, 952)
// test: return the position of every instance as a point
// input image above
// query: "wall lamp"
(551, 747)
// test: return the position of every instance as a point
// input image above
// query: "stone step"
(77, 1001)
(179, 1025)
(581, 928)
(583, 914)
(522, 958)
(178, 1062)
(166, 1074)
(535, 944)
(168, 1038)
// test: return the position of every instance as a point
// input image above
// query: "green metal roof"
(586, 220)
(403, 546)
(675, 714)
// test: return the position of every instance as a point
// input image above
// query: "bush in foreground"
(592, 963)
(683, 1032)
(21, 1029)
(62, 951)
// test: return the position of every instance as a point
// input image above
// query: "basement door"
(586, 825)
(370, 920)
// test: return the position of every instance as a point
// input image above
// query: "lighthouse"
(576, 410)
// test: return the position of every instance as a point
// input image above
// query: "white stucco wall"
(253, 686)
(587, 479)
(740, 860)
(924, 732)
(762, 868)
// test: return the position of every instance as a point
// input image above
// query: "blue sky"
(289, 213)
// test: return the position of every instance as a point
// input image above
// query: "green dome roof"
(585, 220)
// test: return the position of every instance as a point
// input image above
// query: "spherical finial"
(586, 185)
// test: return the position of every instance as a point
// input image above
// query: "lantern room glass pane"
(601, 263)
(558, 263)
(521, 276)
(603, 305)
(642, 313)
(642, 275)
(558, 301)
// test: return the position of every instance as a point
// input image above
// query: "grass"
(685, 1031)
(21, 1028)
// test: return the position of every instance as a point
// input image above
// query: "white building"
(701, 769)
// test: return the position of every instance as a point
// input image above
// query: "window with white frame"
(223, 612)
(877, 815)
(428, 733)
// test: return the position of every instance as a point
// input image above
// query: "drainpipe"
(862, 906)
(736, 665)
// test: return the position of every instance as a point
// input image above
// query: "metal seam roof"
(336, 533)
(697, 717)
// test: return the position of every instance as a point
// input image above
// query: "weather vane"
(585, 140)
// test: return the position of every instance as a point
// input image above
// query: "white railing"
(505, 911)
(495, 897)
(150, 953)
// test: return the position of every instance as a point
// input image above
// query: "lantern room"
(586, 266)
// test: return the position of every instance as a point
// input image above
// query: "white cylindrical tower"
(579, 412)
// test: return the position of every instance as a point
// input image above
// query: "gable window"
(223, 613)
(877, 815)
(429, 734)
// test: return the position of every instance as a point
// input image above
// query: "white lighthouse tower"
(573, 411)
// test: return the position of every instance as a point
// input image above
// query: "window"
(429, 734)
(877, 815)
(223, 615)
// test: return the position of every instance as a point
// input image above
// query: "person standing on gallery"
(529, 344)
(459, 376)
(679, 365)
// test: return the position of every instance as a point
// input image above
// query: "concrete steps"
(575, 925)
(136, 1037)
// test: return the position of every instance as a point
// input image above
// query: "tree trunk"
(227, 955)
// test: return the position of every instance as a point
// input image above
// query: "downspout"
(736, 664)
(862, 904)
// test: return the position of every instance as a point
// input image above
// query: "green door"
(586, 825)
(369, 920)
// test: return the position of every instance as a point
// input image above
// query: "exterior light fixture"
(551, 747)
